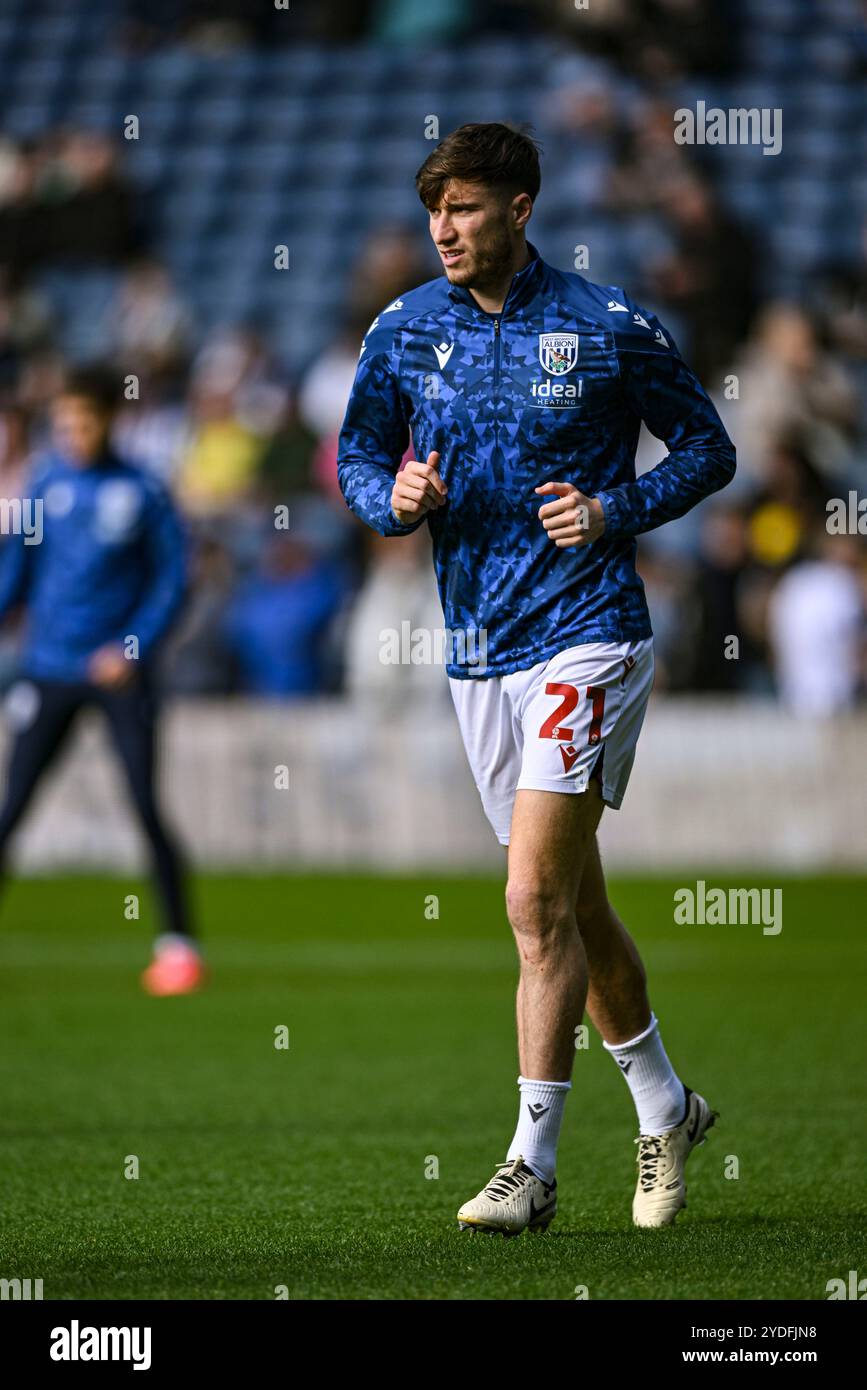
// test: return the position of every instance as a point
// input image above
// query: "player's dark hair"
(95, 384)
(496, 155)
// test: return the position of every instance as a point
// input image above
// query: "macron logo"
(444, 352)
(636, 318)
(77, 1343)
(569, 754)
(615, 308)
(395, 304)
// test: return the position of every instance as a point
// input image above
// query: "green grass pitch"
(308, 1167)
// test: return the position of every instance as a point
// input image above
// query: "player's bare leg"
(551, 834)
(672, 1119)
(617, 999)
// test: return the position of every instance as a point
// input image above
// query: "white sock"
(540, 1115)
(660, 1097)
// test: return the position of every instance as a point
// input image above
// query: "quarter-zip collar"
(525, 284)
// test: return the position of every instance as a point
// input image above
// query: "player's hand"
(109, 668)
(571, 519)
(418, 488)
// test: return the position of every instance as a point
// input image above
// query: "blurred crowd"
(750, 594)
(653, 38)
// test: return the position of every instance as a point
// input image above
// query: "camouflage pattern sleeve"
(373, 441)
(661, 390)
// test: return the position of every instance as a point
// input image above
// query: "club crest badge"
(558, 352)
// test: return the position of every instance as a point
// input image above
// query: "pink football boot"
(177, 968)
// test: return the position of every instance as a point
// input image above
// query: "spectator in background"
(286, 467)
(399, 588)
(40, 378)
(709, 279)
(237, 360)
(666, 39)
(237, 401)
(219, 468)
(841, 302)
(666, 582)
(817, 628)
(148, 329)
(658, 40)
(25, 328)
(715, 605)
(647, 159)
(20, 244)
(148, 326)
(277, 623)
(588, 109)
(390, 263)
(787, 385)
(84, 211)
(155, 429)
(394, 258)
(15, 451)
(706, 276)
(326, 385)
(788, 506)
(197, 660)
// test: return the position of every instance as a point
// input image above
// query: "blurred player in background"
(99, 590)
(520, 383)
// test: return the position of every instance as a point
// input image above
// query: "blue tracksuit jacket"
(111, 564)
(552, 388)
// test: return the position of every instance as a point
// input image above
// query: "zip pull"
(496, 328)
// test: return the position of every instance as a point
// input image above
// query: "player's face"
(471, 229)
(80, 429)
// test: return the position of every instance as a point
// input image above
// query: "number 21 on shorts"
(555, 727)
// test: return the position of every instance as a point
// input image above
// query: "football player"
(523, 389)
(100, 582)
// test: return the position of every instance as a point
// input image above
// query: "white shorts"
(546, 729)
